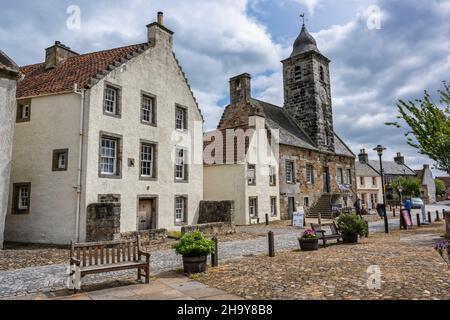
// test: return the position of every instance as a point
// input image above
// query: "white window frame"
(340, 175)
(374, 182)
(147, 109)
(349, 176)
(251, 174)
(180, 118)
(253, 207)
(309, 174)
(62, 160)
(147, 160)
(110, 101)
(290, 172)
(272, 175)
(180, 167)
(25, 112)
(180, 208)
(273, 206)
(107, 156)
(23, 198)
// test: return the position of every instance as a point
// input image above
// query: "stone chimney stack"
(240, 88)
(158, 34)
(363, 156)
(399, 158)
(57, 54)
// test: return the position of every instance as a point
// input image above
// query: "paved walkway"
(50, 278)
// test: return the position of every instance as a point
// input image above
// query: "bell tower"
(307, 90)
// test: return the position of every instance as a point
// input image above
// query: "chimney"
(57, 54)
(240, 88)
(158, 34)
(399, 158)
(363, 156)
(426, 167)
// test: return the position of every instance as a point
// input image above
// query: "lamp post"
(379, 149)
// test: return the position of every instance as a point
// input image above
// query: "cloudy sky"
(371, 67)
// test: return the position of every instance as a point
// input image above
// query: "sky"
(381, 50)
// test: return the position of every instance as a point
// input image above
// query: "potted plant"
(194, 248)
(309, 241)
(351, 226)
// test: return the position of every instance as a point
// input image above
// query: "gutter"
(81, 93)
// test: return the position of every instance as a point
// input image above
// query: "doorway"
(146, 214)
(291, 207)
(326, 180)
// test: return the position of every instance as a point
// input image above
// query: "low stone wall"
(216, 211)
(103, 222)
(147, 237)
(447, 224)
(211, 229)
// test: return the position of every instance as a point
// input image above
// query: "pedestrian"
(358, 206)
(408, 206)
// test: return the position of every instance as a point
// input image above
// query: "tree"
(440, 187)
(428, 126)
(410, 186)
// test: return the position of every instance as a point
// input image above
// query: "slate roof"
(304, 43)
(364, 170)
(84, 70)
(392, 168)
(7, 64)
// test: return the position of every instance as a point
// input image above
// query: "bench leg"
(324, 243)
(139, 274)
(147, 275)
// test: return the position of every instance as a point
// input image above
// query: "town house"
(116, 126)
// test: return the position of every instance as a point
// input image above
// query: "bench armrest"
(145, 254)
(75, 261)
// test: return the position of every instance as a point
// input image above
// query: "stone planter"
(309, 244)
(350, 238)
(195, 264)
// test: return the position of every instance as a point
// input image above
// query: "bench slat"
(84, 257)
(102, 254)
(129, 251)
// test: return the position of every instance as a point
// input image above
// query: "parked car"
(416, 203)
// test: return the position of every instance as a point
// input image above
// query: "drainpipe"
(81, 93)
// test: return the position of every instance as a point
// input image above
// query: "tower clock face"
(323, 95)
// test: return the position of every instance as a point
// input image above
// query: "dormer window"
(322, 74)
(297, 73)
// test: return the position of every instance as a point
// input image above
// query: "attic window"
(322, 74)
(297, 73)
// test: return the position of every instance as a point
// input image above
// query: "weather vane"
(303, 17)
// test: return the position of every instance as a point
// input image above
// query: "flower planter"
(195, 264)
(309, 244)
(350, 238)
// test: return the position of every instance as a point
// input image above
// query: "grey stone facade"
(8, 75)
(103, 222)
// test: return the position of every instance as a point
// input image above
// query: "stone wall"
(147, 237)
(103, 222)
(211, 229)
(216, 211)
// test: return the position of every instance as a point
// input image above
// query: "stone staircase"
(322, 206)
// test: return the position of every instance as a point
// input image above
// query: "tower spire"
(302, 15)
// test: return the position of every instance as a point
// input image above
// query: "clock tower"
(307, 91)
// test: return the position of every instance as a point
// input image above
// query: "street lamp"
(379, 149)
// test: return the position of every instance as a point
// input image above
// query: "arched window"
(298, 73)
(322, 74)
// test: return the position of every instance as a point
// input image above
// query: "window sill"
(107, 176)
(181, 181)
(20, 212)
(144, 178)
(155, 125)
(112, 115)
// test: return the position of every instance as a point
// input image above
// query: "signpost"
(298, 218)
(406, 219)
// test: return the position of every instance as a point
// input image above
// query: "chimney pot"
(161, 18)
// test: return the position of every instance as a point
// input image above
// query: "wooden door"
(145, 214)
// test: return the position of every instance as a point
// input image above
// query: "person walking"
(358, 207)
(408, 206)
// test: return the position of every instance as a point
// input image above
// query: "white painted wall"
(54, 125)
(368, 188)
(7, 116)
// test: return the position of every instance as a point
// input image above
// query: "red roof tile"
(75, 70)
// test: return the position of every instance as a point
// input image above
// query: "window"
(111, 103)
(60, 160)
(251, 175)
(21, 198)
(349, 176)
(340, 176)
(253, 207)
(290, 171)
(148, 114)
(23, 111)
(322, 74)
(273, 175)
(110, 156)
(180, 165)
(180, 119)
(273, 206)
(297, 73)
(109, 198)
(374, 182)
(148, 160)
(309, 174)
(361, 181)
(306, 202)
(180, 210)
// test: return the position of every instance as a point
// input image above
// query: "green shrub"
(350, 223)
(194, 244)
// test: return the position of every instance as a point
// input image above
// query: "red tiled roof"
(78, 69)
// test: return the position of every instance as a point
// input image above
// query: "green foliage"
(350, 223)
(175, 235)
(194, 244)
(309, 234)
(440, 187)
(428, 126)
(410, 186)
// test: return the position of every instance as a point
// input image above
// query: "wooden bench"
(100, 257)
(327, 231)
